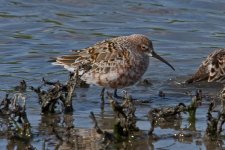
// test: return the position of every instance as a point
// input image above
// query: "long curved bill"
(154, 54)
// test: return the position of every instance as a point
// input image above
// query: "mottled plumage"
(114, 63)
(212, 68)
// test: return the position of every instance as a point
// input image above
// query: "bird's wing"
(216, 66)
(100, 57)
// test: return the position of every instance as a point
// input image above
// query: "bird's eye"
(144, 47)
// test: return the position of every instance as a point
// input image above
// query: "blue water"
(183, 32)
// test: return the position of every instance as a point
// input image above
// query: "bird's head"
(145, 46)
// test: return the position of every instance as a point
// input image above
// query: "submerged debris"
(215, 122)
(107, 137)
(14, 109)
(125, 114)
(145, 82)
(125, 125)
(164, 114)
(22, 87)
(198, 95)
(158, 115)
(19, 124)
(4, 106)
(161, 94)
(58, 93)
(63, 134)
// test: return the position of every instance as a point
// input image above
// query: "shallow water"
(184, 33)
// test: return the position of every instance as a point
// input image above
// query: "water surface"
(183, 32)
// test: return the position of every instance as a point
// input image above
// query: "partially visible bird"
(212, 69)
(115, 63)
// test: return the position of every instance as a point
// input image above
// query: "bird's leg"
(102, 95)
(117, 96)
(115, 93)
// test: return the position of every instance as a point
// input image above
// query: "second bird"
(212, 69)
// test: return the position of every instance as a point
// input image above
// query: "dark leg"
(115, 93)
(116, 96)
(102, 95)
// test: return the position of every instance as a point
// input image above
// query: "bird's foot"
(127, 97)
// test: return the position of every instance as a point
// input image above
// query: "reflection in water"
(55, 126)
(58, 131)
